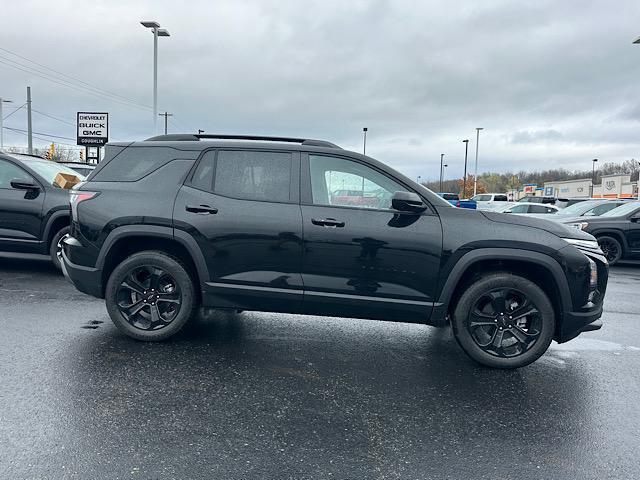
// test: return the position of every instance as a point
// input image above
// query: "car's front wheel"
(150, 296)
(504, 321)
(611, 248)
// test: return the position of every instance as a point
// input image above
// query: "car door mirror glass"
(407, 202)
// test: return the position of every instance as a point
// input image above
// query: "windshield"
(48, 169)
(622, 210)
(579, 208)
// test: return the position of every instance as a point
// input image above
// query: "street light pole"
(157, 32)
(1, 124)
(364, 141)
(441, 158)
(29, 129)
(593, 172)
(166, 115)
(464, 179)
(475, 177)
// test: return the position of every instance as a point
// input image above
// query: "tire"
(496, 337)
(55, 246)
(611, 247)
(150, 296)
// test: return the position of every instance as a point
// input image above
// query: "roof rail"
(180, 137)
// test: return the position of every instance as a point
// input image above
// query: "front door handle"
(327, 222)
(201, 209)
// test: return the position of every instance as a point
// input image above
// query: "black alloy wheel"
(503, 320)
(150, 296)
(55, 248)
(611, 248)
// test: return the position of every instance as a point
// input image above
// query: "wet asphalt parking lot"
(260, 395)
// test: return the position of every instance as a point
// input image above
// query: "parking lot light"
(157, 32)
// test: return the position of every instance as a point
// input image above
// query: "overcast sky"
(553, 83)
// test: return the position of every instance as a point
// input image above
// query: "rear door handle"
(327, 222)
(201, 209)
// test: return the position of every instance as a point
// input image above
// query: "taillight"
(78, 196)
(458, 204)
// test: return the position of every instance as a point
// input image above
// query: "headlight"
(579, 225)
(586, 244)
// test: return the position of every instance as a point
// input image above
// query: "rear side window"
(253, 175)
(482, 198)
(203, 176)
(520, 209)
(450, 196)
(135, 162)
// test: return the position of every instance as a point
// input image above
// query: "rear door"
(242, 208)
(20, 211)
(364, 260)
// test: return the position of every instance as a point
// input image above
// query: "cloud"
(547, 80)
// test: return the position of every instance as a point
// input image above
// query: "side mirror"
(24, 184)
(507, 211)
(635, 217)
(407, 202)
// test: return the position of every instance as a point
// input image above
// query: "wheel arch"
(58, 219)
(126, 240)
(542, 269)
(612, 232)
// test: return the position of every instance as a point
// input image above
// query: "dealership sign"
(93, 128)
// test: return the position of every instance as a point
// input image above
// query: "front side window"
(9, 171)
(600, 209)
(345, 183)
(500, 198)
(253, 175)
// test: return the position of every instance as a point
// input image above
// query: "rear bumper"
(87, 280)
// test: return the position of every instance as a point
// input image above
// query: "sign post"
(93, 132)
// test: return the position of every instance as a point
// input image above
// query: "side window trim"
(306, 196)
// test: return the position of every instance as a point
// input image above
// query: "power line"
(21, 106)
(53, 117)
(39, 133)
(21, 132)
(79, 82)
(66, 83)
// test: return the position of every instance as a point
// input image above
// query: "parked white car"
(491, 201)
(532, 209)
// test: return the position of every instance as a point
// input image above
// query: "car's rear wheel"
(611, 248)
(55, 247)
(504, 321)
(150, 296)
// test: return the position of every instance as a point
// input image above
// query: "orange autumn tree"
(469, 191)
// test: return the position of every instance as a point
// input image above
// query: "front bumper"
(86, 279)
(575, 323)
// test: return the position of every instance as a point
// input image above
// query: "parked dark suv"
(617, 231)
(252, 223)
(34, 212)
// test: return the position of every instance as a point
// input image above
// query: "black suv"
(254, 223)
(34, 212)
(617, 231)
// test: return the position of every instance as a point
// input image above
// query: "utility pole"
(157, 32)
(29, 130)
(441, 158)
(1, 124)
(593, 177)
(166, 115)
(475, 178)
(464, 179)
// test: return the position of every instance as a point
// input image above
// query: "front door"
(20, 211)
(633, 233)
(361, 258)
(242, 208)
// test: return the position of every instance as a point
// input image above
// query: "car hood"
(556, 228)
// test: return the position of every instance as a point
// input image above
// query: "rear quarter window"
(135, 162)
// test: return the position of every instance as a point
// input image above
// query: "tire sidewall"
(615, 240)
(53, 246)
(490, 282)
(179, 274)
